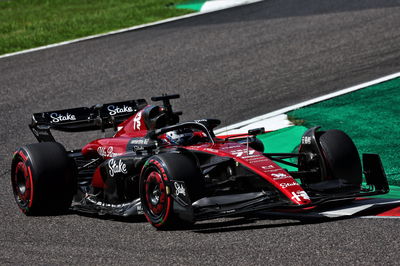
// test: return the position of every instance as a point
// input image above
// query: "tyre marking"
(31, 187)
(164, 175)
(23, 156)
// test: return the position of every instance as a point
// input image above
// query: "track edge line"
(308, 102)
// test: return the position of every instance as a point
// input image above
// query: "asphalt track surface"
(233, 64)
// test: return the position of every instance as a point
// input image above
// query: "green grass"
(370, 116)
(31, 23)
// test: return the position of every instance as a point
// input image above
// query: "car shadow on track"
(251, 223)
(234, 223)
(130, 219)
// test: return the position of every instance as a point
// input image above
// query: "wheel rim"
(22, 184)
(155, 194)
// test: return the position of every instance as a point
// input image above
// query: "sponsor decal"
(211, 150)
(229, 211)
(257, 159)
(116, 167)
(306, 140)
(107, 151)
(113, 110)
(92, 199)
(35, 131)
(139, 209)
(268, 167)
(274, 170)
(300, 195)
(279, 176)
(179, 189)
(138, 148)
(285, 185)
(139, 141)
(136, 121)
(59, 117)
(240, 153)
(231, 147)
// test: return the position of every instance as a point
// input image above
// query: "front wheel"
(341, 157)
(164, 177)
(336, 166)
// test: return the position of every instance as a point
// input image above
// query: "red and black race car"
(178, 173)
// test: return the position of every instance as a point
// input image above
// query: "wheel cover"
(156, 196)
(22, 185)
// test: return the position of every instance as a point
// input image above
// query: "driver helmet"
(180, 136)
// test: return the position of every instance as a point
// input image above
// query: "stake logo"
(179, 189)
(116, 167)
(113, 110)
(59, 117)
(285, 185)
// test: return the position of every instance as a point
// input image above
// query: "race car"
(177, 173)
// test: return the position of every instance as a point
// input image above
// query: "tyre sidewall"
(160, 220)
(341, 157)
(51, 177)
(173, 167)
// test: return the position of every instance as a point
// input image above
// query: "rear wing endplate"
(97, 117)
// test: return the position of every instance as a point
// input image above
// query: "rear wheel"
(42, 178)
(161, 178)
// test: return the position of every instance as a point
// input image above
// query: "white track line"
(379, 217)
(123, 30)
(351, 210)
(214, 5)
(303, 104)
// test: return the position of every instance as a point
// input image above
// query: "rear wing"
(98, 117)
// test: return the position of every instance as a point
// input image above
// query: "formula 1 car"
(178, 173)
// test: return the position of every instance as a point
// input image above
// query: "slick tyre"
(341, 157)
(42, 178)
(156, 188)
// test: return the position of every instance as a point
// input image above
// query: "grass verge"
(370, 116)
(27, 24)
